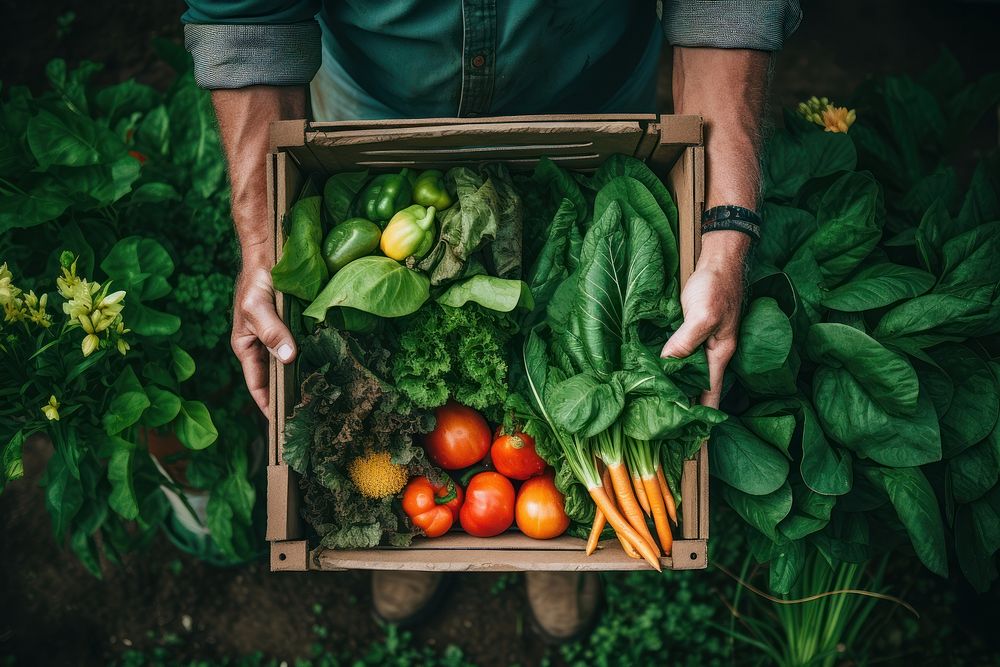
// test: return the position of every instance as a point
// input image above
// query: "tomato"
(429, 507)
(514, 455)
(459, 439)
(489, 505)
(540, 508)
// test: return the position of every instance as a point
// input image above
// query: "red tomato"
(460, 438)
(425, 505)
(489, 505)
(540, 509)
(514, 456)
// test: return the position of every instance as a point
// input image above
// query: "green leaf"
(975, 471)
(181, 363)
(787, 563)
(134, 260)
(583, 405)
(786, 228)
(764, 360)
(916, 505)
(974, 524)
(128, 401)
(636, 198)
(792, 160)
(887, 377)
(301, 271)
(120, 100)
(63, 490)
(852, 417)
(878, 286)
(376, 285)
(970, 259)
(763, 512)
(154, 193)
(773, 422)
(11, 463)
(982, 201)
(194, 138)
(935, 318)
(490, 292)
(194, 426)
(339, 193)
(43, 202)
(824, 469)
(123, 499)
(70, 139)
(98, 185)
(931, 233)
(975, 404)
(163, 407)
(744, 461)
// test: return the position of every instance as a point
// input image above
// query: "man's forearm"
(245, 115)
(728, 88)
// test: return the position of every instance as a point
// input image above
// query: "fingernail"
(285, 352)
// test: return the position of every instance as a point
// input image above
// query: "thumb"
(685, 340)
(275, 336)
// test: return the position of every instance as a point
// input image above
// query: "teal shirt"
(443, 58)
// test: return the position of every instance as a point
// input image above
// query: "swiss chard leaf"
(301, 271)
(742, 460)
(377, 285)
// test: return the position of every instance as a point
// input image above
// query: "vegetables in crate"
(539, 509)
(514, 456)
(460, 438)
(350, 240)
(432, 508)
(488, 509)
(385, 195)
(409, 233)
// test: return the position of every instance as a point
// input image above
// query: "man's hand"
(245, 117)
(727, 88)
(257, 330)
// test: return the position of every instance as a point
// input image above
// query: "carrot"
(630, 506)
(640, 493)
(595, 531)
(659, 513)
(623, 527)
(668, 496)
(626, 545)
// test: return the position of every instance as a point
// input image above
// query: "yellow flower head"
(51, 409)
(68, 281)
(90, 344)
(13, 310)
(376, 476)
(8, 292)
(35, 307)
(838, 119)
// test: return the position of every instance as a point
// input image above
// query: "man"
(426, 58)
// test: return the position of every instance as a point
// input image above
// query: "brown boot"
(564, 605)
(406, 598)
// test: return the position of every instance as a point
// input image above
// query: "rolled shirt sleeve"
(253, 42)
(761, 25)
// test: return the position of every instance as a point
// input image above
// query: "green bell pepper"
(385, 195)
(429, 190)
(348, 241)
(410, 232)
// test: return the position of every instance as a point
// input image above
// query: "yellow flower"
(89, 344)
(51, 409)
(68, 281)
(36, 309)
(838, 119)
(13, 310)
(80, 299)
(120, 331)
(8, 292)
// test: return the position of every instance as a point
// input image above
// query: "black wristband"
(731, 218)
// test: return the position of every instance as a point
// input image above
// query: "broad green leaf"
(122, 499)
(744, 461)
(626, 165)
(878, 286)
(122, 99)
(974, 408)
(764, 360)
(825, 469)
(931, 233)
(195, 141)
(146, 321)
(339, 193)
(785, 229)
(659, 417)
(193, 425)
(70, 139)
(810, 513)
(301, 270)
(786, 566)
(975, 471)
(916, 505)
(163, 407)
(935, 318)
(63, 490)
(583, 405)
(376, 285)
(792, 160)
(98, 185)
(773, 421)
(637, 199)
(982, 201)
(154, 193)
(134, 259)
(974, 525)
(490, 292)
(853, 418)
(552, 264)
(128, 401)
(45, 201)
(181, 363)
(970, 258)
(887, 377)
(153, 133)
(763, 512)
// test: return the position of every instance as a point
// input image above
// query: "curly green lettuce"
(454, 352)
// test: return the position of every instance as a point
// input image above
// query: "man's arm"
(245, 115)
(727, 87)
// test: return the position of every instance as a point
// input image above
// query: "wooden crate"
(671, 145)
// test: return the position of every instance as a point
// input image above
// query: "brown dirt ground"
(50, 602)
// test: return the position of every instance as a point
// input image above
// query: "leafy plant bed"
(440, 314)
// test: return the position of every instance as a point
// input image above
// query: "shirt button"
(478, 60)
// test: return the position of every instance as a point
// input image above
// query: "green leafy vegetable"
(301, 270)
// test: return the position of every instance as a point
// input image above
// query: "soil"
(53, 612)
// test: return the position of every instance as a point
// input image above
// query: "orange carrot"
(659, 514)
(626, 545)
(622, 527)
(630, 506)
(668, 496)
(640, 493)
(595, 531)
